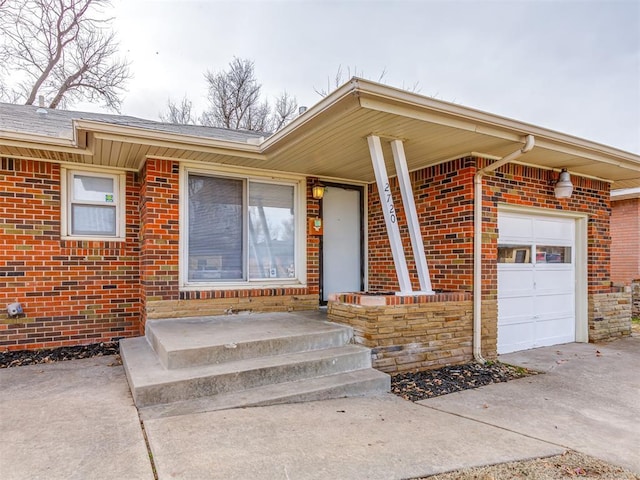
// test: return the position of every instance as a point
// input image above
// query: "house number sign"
(389, 203)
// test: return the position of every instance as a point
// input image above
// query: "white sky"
(572, 66)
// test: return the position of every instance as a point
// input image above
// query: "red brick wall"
(625, 240)
(72, 292)
(80, 292)
(313, 243)
(159, 232)
(444, 202)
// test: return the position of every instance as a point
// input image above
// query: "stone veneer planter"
(408, 332)
(610, 315)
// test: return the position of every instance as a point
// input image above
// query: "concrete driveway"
(587, 400)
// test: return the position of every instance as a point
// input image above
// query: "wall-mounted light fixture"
(317, 191)
(563, 187)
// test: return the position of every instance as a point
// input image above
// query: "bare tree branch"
(235, 101)
(284, 111)
(179, 113)
(64, 51)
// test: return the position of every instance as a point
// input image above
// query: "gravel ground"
(413, 387)
(570, 465)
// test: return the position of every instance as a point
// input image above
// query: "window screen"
(271, 231)
(94, 205)
(215, 228)
(240, 230)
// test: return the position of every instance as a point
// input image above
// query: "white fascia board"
(625, 193)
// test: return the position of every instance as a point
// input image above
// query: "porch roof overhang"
(330, 140)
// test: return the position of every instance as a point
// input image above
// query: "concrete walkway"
(588, 400)
(70, 420)
(76, 420)
(356, 438)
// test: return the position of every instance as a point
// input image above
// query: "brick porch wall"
(72, 292)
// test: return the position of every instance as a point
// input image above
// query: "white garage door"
(536, 281)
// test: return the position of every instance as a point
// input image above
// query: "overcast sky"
(572, 66)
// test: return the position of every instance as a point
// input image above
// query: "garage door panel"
(553, 230)
(515, 281)
(515, 307)
(554, 331)
(516, 337)
(554, 282)
(536, 301)
(514, 227)
(555, 305)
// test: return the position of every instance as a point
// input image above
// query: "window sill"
(206, 286)
(92, 239)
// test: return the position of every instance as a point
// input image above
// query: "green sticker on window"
(108, 197)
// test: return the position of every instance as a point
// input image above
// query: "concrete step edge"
(346, 384)
(151, 383)
(260, 347)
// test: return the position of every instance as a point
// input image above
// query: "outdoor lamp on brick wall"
(563, 187)
(317, 191)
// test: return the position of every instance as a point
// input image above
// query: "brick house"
(625, 235)
(625, 242)
(108, 221)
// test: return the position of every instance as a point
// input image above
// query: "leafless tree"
(284, 111)
(234, 97)
(62, 50)
(180, 113)
(235, 101)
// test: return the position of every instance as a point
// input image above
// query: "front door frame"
(363, 222)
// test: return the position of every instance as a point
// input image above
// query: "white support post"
(389, 212)
(412, 216)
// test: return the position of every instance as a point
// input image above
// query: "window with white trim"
(94, 205)
(240, 229)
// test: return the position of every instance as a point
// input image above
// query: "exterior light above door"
(317, 191)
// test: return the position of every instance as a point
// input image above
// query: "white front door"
(536, 281)
(342, 241)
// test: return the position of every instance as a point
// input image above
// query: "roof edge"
(468, 113)
(158, 135)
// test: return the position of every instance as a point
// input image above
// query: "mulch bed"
(433, 383)
(32, 357)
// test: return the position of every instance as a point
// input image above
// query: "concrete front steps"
(213, 363)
